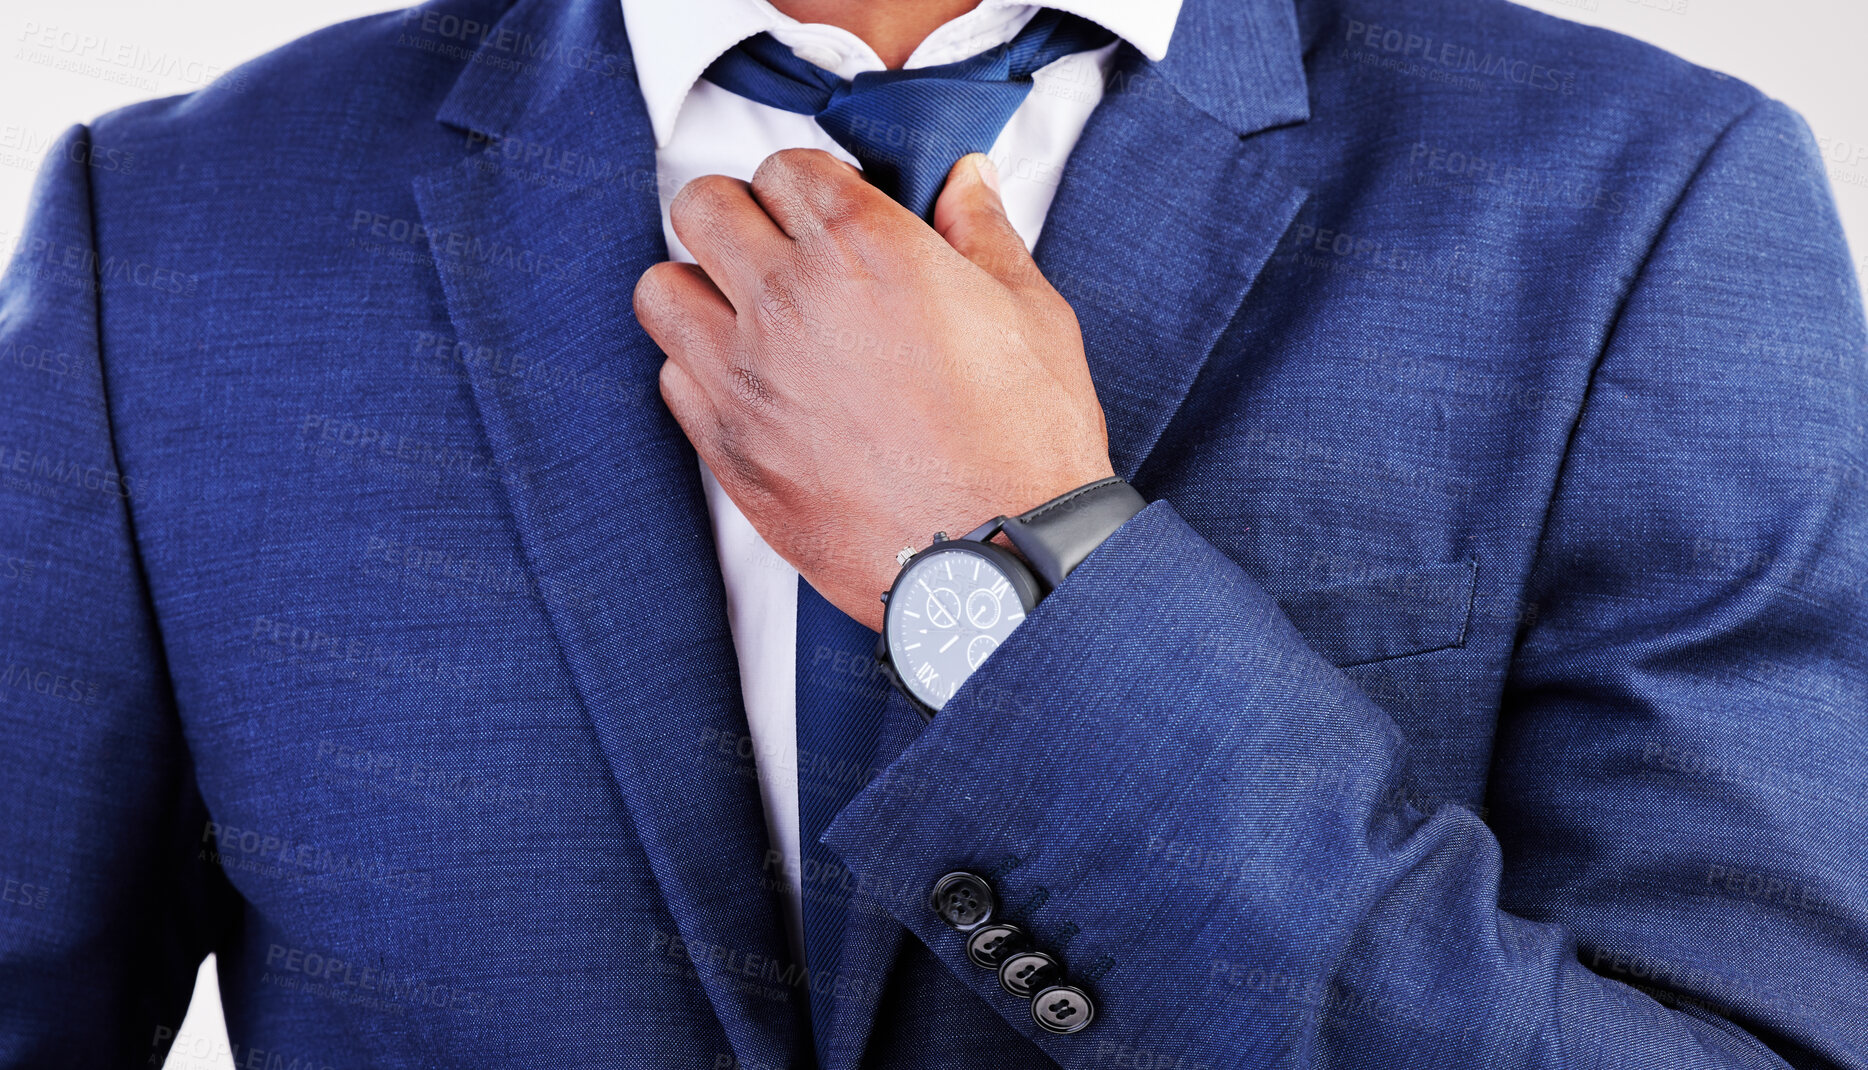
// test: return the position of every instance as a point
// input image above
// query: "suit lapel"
(1166, 213)
(1163, 219)
(605, 490)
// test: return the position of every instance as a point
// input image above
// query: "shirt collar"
(674, 43)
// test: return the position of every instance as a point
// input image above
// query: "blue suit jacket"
(1484, 687)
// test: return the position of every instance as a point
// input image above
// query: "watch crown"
(901, 559)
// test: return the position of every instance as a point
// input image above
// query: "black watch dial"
(949, 610)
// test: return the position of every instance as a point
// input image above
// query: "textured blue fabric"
(1485, 688)
(842, 708)
(908, 127)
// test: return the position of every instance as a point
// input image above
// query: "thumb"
(971, 216)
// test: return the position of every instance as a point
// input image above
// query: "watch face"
(949, 611)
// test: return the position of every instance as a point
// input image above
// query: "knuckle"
(664, 307)
(777, 311)
(674, 391)
(731, 450)
(848, 210)
(653, 290)
(682, 395)
(791, 165)
(775, 168)
(1057, 311)
(702, 197)
(787, 176)
(817, 192)
(750, 390)
(1020, 272)
(780, 192)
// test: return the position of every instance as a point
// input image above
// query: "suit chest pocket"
(1391, 615)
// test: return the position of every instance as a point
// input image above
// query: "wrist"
(953, 603)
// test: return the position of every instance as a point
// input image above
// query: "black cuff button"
(990, 945)
(963, 900)
(1062, 1009)
(1027, 971)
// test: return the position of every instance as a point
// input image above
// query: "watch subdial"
(943, 608)
(982, 610)
(979, 648)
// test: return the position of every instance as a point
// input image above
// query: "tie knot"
(908, 127)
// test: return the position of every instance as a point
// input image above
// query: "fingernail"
(988, 174)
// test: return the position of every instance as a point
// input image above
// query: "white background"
(1804, 52)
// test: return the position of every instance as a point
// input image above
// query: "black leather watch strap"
(1056, 536)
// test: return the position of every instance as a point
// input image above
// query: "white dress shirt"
(701, 129)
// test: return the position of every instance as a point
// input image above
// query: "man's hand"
(857, 380)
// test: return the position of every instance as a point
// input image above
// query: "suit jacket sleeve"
(1670, 872)
(103, 913)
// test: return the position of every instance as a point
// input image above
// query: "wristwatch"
(956, 601)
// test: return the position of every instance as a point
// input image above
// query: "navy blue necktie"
(842, 696)
(907, 128)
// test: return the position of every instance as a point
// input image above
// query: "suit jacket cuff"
(1062, 769)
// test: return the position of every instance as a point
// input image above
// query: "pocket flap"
(1387, 616)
